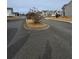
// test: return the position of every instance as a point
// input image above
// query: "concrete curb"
(29, 28)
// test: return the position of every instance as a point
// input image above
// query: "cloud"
(40, 4)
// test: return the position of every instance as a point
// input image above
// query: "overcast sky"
(23, 6)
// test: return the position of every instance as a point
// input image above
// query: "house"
(67, 9)
(16, 13)
(43, 13)
(22, 14)
(52, 13)
(10, 12)
(47, 13)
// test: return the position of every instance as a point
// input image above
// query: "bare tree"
(35, 16)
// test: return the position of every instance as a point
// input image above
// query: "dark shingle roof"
(67, 4)
(10, 8)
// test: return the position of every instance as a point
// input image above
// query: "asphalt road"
(52, 43)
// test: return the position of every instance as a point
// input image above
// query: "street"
(52, 43)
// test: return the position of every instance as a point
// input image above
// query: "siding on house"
(47, 13)
(67, 9)
(10, 12)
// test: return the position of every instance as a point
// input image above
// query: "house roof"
(12, 11)
(66, 4)
(10, 8)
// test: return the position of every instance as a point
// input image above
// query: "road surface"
(52, 43)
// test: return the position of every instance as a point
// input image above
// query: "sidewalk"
(64, 19)
(16, 17)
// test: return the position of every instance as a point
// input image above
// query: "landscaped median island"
(32, 26)
(33, 22)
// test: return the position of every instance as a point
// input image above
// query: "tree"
(35, 16)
